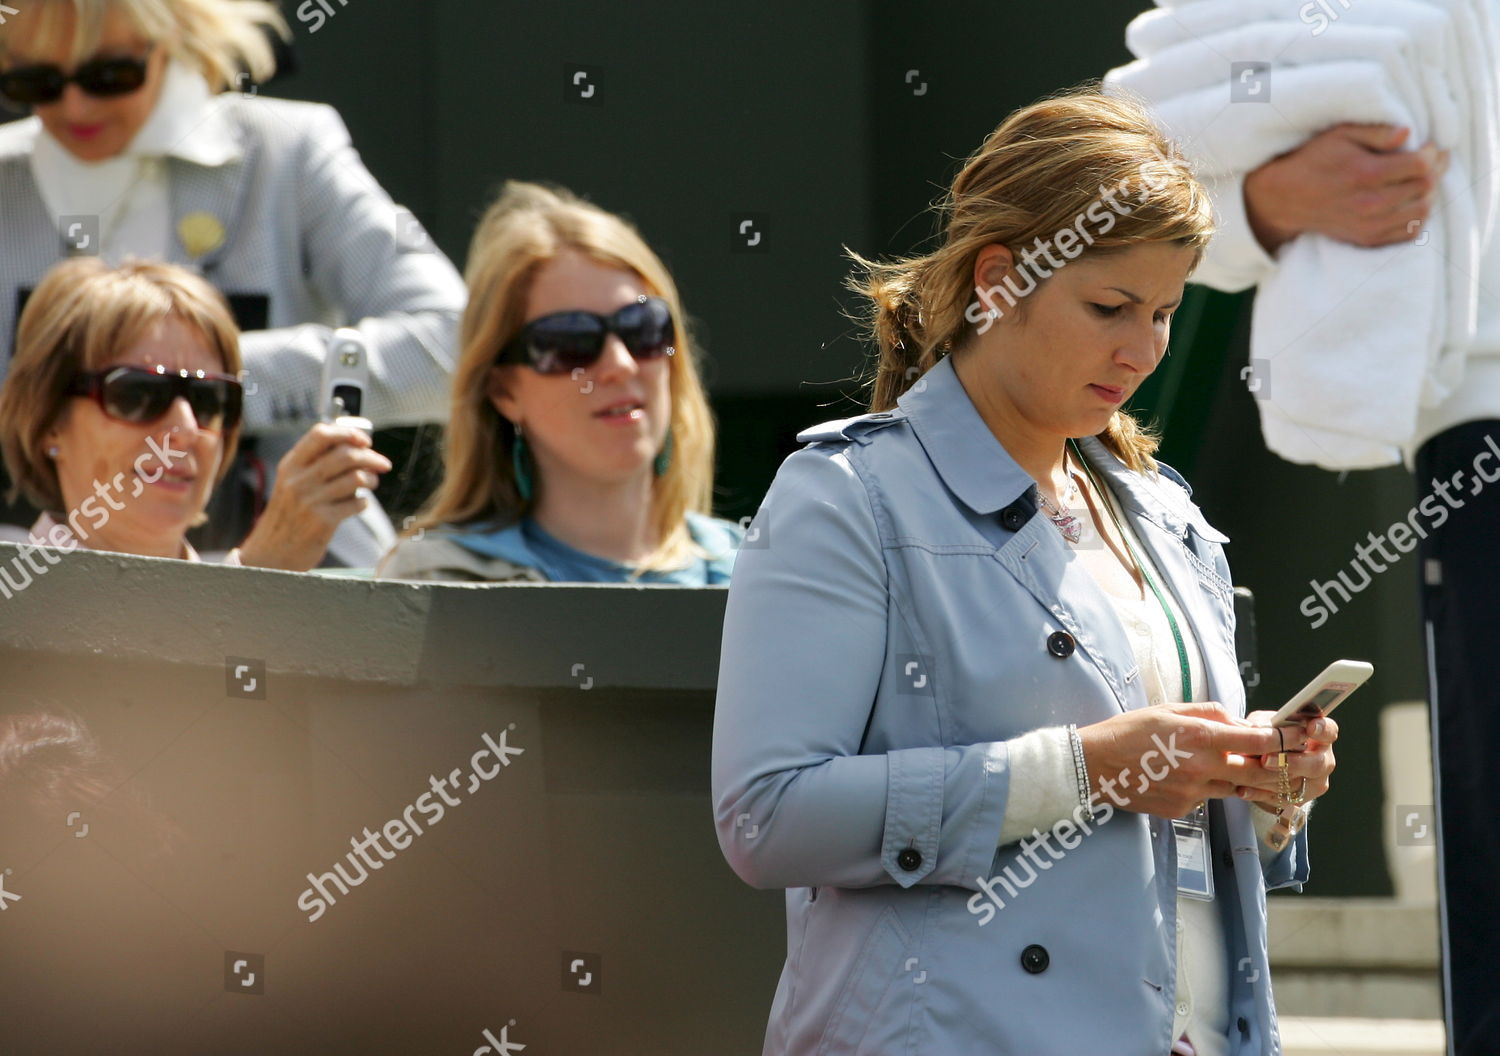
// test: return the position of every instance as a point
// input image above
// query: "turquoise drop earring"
(664, 457)
(520, 466)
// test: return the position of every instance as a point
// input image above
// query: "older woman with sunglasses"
(580, 443)
(140, 145)
(123, 409)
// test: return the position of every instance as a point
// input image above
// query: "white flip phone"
(346, 379)
(1324, 693)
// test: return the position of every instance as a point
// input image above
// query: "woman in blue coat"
(979, 708)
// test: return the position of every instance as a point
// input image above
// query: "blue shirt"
(527, 543)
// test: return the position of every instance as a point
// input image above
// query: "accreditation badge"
(1195, 874)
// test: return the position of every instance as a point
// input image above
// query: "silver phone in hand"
(346, 379)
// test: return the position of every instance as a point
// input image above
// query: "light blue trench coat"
(897, 612)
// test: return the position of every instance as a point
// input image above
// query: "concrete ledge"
(545, 636)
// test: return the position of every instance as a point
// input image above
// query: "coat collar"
(972, 463)
(977, 468)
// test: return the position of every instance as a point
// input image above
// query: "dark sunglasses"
(566, 341)
(103, 77)
(141, 395)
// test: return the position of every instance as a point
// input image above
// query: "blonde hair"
(80, 318)
(1034, 176)
(528, 226)
(219, 38)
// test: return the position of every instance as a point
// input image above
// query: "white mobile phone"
(1324, 693)
(346, 379)
(346, 376)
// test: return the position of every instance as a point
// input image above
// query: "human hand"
(1350, 183)
(1314, 762)
(317, 487)
(1166, 760)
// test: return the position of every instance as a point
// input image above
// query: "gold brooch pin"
(201, 234)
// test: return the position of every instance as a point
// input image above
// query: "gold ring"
(1301, 791)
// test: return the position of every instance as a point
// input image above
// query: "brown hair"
(526, 227)
(80, 317)
(1035, 175)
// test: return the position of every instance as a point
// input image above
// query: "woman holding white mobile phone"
(979, 709)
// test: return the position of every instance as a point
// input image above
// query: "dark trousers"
(1461, 608)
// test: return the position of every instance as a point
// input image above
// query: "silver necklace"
(1070, 526)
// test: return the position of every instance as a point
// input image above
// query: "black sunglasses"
(103, 77)
(141, 395)
(566, 341)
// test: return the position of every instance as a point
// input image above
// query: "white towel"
(1353, 341)
(1206, 60)
(1452, 35)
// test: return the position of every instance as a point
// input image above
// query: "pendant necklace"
(1070, 526)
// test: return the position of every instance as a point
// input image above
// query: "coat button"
(1035, 959)
(1013, 517)
(1244, 1026)
(909, 859)
(1060, 644)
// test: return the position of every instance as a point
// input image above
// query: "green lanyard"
(1182, 657)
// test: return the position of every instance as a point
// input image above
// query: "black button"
(1227, 859)
(1035, 959)
(1013, 517)
(909, 859)
(1060, 644)
(1244, 1026)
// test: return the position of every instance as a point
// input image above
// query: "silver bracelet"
(1080, 771)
